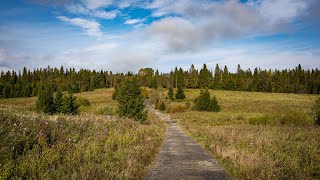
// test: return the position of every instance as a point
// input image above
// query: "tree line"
(28, 83)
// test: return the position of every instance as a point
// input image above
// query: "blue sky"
(125, 35)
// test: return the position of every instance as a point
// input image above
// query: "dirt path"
(182, 158)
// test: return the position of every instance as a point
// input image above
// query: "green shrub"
(58, 100)
(205, 103)
(180, 94)
(69, 106)
(131, 101)
(45, 101)
(170, 94)
(115, 93)
(80, 101)
(162, 106)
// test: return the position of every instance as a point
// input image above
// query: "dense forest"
(27, 83)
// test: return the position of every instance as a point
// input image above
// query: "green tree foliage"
(50, 104)
(130, 100)
(162, 106)
(171, 94)
(115, 93)
(180, 93)
(205, 77)
(45, 101)
(316, 111)
(69, 105)
(27, 83)
(205, 103)
(58, 101)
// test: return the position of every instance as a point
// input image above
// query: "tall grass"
(89, 146)
(37, 147)
(258, 135)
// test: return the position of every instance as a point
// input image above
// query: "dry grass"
(88, 146)
(277, 150)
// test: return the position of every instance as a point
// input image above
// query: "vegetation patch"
(36, 147)
(258, 135)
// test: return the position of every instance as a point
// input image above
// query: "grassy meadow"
(95, 144)
(256, 135)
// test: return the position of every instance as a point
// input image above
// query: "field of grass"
(92, 145)
(257, 135)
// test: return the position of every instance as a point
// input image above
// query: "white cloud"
(97, 13)
(133, 21)
(202, 22)
(92, 28)
(105, 15)
(96, 4)
(282, 11)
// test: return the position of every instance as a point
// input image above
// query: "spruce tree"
(69, 105)
(180, 94)
(205, 103)
(131, 101)
(45, 101)
(58, 101)
(170, 94)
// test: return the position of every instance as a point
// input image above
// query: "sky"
(126, 35)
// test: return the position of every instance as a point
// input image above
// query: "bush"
(80, 101)
(162, 106)
(170, 94)
(205, 103)
(130, 100)
(180, 94)
(316, 111)
(69, 106)
(115, 93)
(58, 100)
(45, 101)
(176, 108)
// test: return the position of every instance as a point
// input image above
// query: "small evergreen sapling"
(58, 100)
(205, 103)
(131, 102)
(180, 94)
(69, 105)
(162, 106)
(45, 101)
(170, 94)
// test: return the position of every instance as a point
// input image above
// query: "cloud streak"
(92, 28)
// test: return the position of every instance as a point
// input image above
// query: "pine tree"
(69, 105)
(130, 100)
(204, 103)
(205, 77)
(180, 94)
(58, 101)
(45, 101)
(214, 106)
(170, 94)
